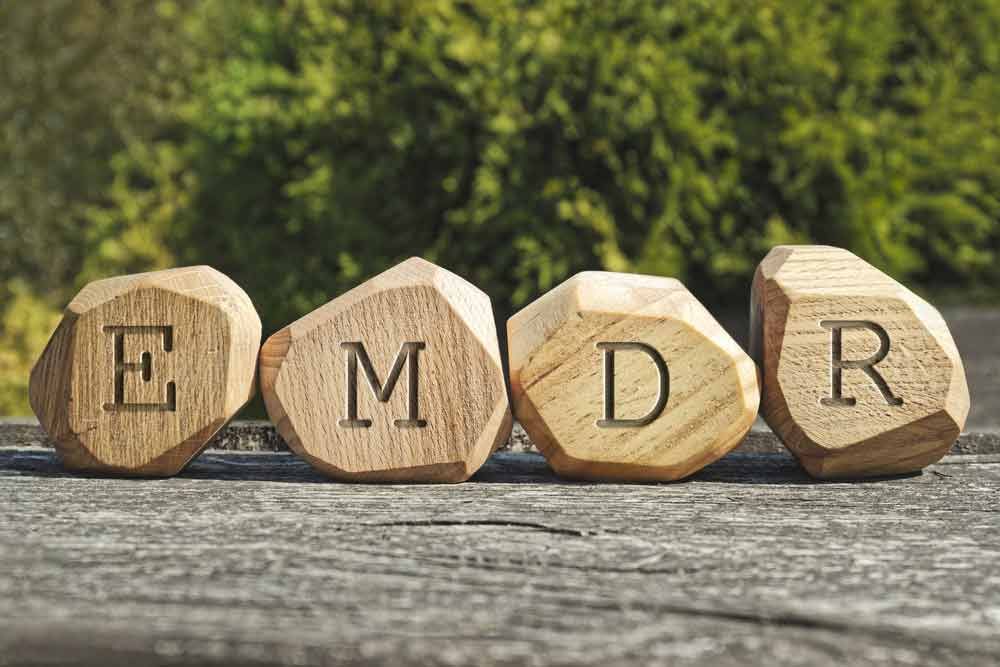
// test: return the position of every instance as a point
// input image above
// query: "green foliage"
(517, 142)
(79, 80)
(301, 146)
(25, 326)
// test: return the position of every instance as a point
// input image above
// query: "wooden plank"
(260, 436)
(254, 558)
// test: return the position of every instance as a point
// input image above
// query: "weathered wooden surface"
(255, 558)
(260, 436)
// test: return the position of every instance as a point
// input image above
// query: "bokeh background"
(301, 146)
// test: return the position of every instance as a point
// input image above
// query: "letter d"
(663, 392)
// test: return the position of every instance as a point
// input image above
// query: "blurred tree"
(79, 80)
(25, 325)
(517, 142)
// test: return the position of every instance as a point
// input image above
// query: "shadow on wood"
(501, 468)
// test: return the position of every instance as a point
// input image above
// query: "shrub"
(517, 142)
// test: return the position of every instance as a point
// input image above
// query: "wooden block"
(398, 379)
(626, 377)
(145, 368)
(860, 376)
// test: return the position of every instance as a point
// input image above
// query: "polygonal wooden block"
(860, 376)
(398, 379)
(145, 368)
(626, 377)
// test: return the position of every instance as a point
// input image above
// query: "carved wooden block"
(144, 369)
(398, 379)
(860, 376)
(626, 377)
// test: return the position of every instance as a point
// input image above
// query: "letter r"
(838, 363)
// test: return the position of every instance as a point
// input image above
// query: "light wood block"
(627, 377)
(398, 379)
(145, 368)
(861, 376)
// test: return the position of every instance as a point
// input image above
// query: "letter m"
(407, 355)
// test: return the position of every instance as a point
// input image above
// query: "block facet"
(145, 368)
(627, 377)
(399, 379)
(861, 376)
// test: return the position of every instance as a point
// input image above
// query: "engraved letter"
(144, 367)
(609, 420)
(408, 355)
(838, 363)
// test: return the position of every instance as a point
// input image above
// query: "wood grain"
(256, 559)
(144, 369)
(558, 351)
(461, 414)
(901, 414)
(261, 436)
